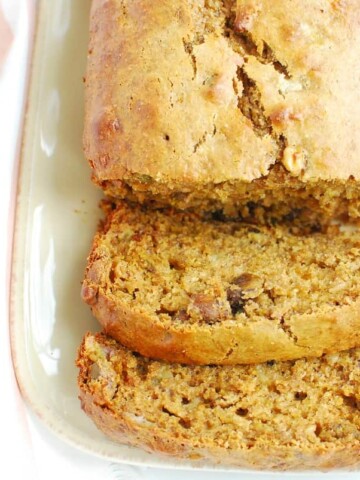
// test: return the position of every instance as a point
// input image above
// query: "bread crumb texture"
(278, 415)
(209, 103)
(183, 288)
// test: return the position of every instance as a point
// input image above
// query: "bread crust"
(116, 423)
(312, 335)
(227, 341)
(266, 106)
(127, 432)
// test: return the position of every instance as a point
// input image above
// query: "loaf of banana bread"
(212, 104)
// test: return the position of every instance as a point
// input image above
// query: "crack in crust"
(244, 38)
(249, 101)
(251, 106)
(266, 56)
(286, 328)
(189, 49)
(241, 42)
(200, 142)
(230, 350)
(245, 88)
(205, 136)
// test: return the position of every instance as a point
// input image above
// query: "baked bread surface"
(182, 288)
(212, 103)
(280, 415)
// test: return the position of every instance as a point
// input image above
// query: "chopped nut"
(294, 160)
(220, 88)
(300, 396)
(208, 307)
(89, 294)
(250, 286)
(181, 316)
(245, 17)
(284, 115)
(236, 301)
(94, 371)
(144, 178)
(243, 280)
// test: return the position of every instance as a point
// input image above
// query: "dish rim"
(48, 416)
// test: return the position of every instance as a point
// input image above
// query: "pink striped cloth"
(6, 36)
(16, 17)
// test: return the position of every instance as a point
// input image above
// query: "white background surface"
(29, 450)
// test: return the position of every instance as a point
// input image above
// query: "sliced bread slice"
(278, 415)
(177, 287)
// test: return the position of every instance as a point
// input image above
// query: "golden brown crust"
(194, 113)
(252, 343)
(323, 316)
(228, 345)
(120, 420)
(127, 432)
(162, 150)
